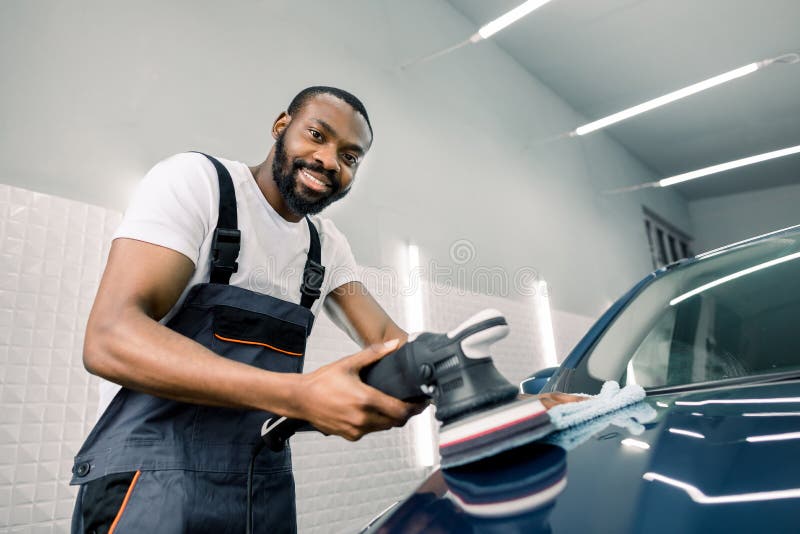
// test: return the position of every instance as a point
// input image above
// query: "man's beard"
(285, 175)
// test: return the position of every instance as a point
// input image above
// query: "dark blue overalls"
(157, 465)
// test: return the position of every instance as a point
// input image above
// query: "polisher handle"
(399, 375)
(428, 357)
(455, 369)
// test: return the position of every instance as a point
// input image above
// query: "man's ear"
(280, 124)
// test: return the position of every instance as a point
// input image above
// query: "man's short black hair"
(310, 92)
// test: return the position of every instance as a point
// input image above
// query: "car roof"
(788, 231)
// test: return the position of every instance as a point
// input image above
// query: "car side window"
(689, 343)
(728, 316)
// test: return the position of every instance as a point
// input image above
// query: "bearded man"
(199, 331)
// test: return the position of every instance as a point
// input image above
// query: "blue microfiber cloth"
(630, 417)
(610, 399)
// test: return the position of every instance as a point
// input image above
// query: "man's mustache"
(332, 176)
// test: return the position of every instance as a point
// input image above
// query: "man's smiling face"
(317, 153)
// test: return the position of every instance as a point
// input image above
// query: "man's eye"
(315, 134)
(350, 159)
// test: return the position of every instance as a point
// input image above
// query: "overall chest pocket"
(258, 339)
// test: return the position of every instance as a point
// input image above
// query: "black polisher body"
(437, 366)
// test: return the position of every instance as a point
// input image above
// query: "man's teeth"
(315, 180)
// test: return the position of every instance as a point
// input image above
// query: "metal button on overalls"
(191, 461)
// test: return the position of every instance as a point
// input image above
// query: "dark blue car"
(715, 342)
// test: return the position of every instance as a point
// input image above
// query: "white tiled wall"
(53, 252)
(52, 256)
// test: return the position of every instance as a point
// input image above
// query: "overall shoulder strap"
(314, 271)
(227, 237)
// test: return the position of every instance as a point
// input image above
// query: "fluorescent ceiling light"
(734, 276)
(689, 433)
(683, 93)
(486, 31)
(774, 437)
(635, 443)
(509, 18)
(415, 309)
(780, 400)
(666, 99)
(425, 441)
(698, 496)
(772, 414)
(705, 171)
(678, 178)
(545, 324)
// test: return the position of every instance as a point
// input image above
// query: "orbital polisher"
(479, 409)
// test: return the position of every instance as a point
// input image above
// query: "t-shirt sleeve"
(340, 270)
(172, 206)
(342, 267)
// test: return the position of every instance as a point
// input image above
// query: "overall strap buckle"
(227, 238)
(313, 275)
(224, 251)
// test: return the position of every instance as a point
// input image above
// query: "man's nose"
(327, 157)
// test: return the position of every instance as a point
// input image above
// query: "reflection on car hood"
(719, 459)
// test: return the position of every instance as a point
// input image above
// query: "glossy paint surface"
(720, 459)
(717, 457)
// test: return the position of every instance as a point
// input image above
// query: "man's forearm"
(137, 352)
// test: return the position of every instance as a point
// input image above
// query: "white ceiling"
(602, 56)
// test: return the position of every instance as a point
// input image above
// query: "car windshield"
(731, 314)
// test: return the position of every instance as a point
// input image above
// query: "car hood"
(722, 457)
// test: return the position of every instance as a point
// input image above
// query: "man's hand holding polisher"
(475, 403)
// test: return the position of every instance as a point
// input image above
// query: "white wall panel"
(53, 252)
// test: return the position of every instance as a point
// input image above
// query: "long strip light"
(415, 309)
(422, 426)
(678, 178)
(772, 414)
(698, 496)
(714, 169)
(689, 433)
(666, 99)
(773, 437)
(683, 93)
(635, 443)
(505, 20)
(544, 319)
(778, 400)
(485, 31)
(734, 276)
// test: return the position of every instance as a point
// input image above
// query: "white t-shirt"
(176, 206)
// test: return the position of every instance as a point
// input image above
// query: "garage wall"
(722, 220)
(465, 146)
(52, 253)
